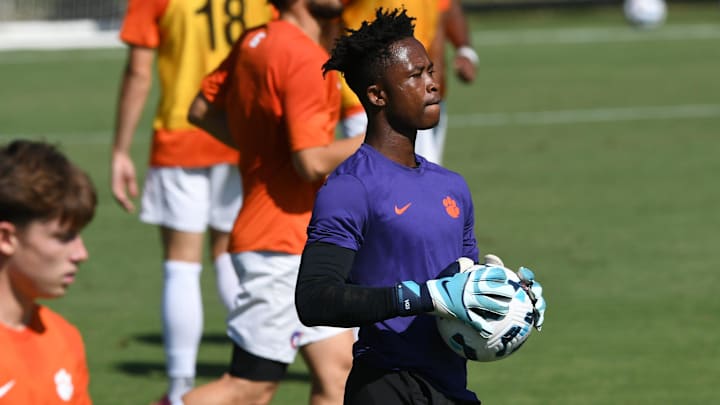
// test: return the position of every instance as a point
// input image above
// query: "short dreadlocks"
(363, 54)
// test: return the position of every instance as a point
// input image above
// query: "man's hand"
(466, 61)
(469, 291)
(532, 288)
(123, 180)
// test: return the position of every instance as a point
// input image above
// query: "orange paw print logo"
(451, 207)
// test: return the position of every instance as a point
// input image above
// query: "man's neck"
(14, 313)
(399, 148)
(299, 16)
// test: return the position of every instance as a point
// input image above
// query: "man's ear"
(8, 238)
(376, 95)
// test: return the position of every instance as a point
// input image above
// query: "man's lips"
(69, 277)
(434, 101)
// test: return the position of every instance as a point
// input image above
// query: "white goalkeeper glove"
(535, 291)
(493, 261)
(470, 291)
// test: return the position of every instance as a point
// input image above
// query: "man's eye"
(67, 236)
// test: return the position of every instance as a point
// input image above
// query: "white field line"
(54, 56)
(536, 118)
(560, 36)
(85, 34)
(67, 138)
(596, 115)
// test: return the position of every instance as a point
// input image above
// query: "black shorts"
(370, 386)
(251, 367)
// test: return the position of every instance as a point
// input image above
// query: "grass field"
(592, 150)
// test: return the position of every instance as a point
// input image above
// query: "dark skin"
(406, 98)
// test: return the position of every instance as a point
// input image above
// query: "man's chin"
(429, 125)
(57, 292)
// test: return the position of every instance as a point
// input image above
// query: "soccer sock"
(182, 317)
(178, 387)
(227, 281)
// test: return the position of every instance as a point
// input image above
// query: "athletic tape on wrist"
(469, 53)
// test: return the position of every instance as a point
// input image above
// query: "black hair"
(363, 54)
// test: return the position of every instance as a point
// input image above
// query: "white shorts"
(192, 199)
(264, 321)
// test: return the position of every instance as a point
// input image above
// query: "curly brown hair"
(37, 182)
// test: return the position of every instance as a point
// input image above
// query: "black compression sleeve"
(323, 296)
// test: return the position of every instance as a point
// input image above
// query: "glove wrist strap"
(413, 298)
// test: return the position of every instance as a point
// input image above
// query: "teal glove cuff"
(413, 298)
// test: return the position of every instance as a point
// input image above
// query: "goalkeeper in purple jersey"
(387, 230)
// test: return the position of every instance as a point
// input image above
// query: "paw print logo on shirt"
(64, 385)
(295, 339)
(451, 207)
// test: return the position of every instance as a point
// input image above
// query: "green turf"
(619, 217)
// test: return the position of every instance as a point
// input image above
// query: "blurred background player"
(269, 99)
(436, 23)
(192, 183)
(385, 225)
(452, 28)
(45, 201)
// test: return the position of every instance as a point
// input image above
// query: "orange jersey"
(44, 363)
(191, 37)
(426, 13)
(278, 103)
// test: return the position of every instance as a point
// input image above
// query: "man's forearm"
(131, 101)
(211, 120)
(323, 297)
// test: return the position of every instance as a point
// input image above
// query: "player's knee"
(328, 392)
(253, 379)
(249, 392)
(329, 383)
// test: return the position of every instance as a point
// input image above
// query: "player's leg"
(176, 200)
(182, 312)
(229, 390)
(425, 145)
(225, 203)
(251, 380)
(263, 325)
(329, 361)
(226, 280)
(440, 133)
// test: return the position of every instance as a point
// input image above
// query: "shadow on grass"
(157, 339)
(204, 369)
